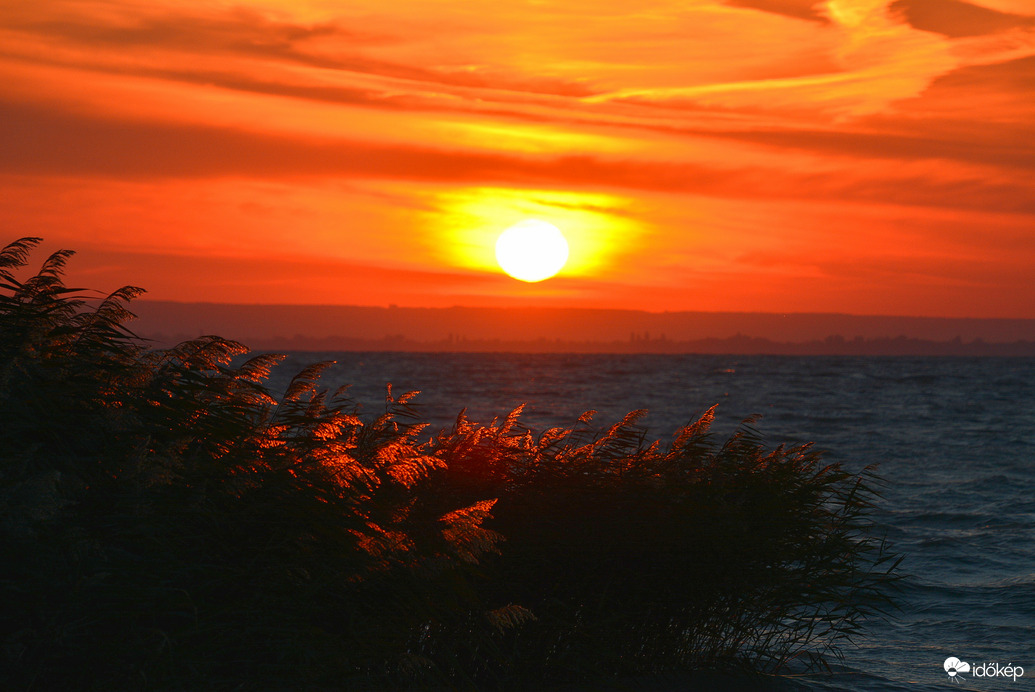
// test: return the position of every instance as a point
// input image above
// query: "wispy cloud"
(955, 18)
(797, 9)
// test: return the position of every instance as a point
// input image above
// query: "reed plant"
(168, 523)
(646, 558)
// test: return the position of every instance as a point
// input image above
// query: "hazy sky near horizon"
(859, 156)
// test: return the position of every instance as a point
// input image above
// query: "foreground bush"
(643, 558)
(168, 523)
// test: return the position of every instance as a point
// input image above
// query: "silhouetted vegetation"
(167, 523)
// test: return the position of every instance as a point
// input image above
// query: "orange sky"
(860, 156)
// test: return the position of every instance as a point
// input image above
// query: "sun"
(532, 250)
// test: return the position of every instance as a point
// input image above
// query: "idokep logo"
(955, 667)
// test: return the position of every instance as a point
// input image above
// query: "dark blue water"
(954, 439)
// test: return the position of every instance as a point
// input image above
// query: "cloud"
(1009, 80)
(45, 142)
(239, 30)
(987, 147)
(797, 9)
(245, 34)
(956, 18)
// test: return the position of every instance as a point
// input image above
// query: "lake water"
(954, 439)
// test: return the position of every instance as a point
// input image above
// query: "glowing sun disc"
(532, 250)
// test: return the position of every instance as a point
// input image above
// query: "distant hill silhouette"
(312, 327)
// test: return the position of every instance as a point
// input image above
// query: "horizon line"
(554, 308)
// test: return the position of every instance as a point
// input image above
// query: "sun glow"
(598, 228)
(532, 250)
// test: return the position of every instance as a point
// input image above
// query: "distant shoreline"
(730, 346)
(571, 330)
